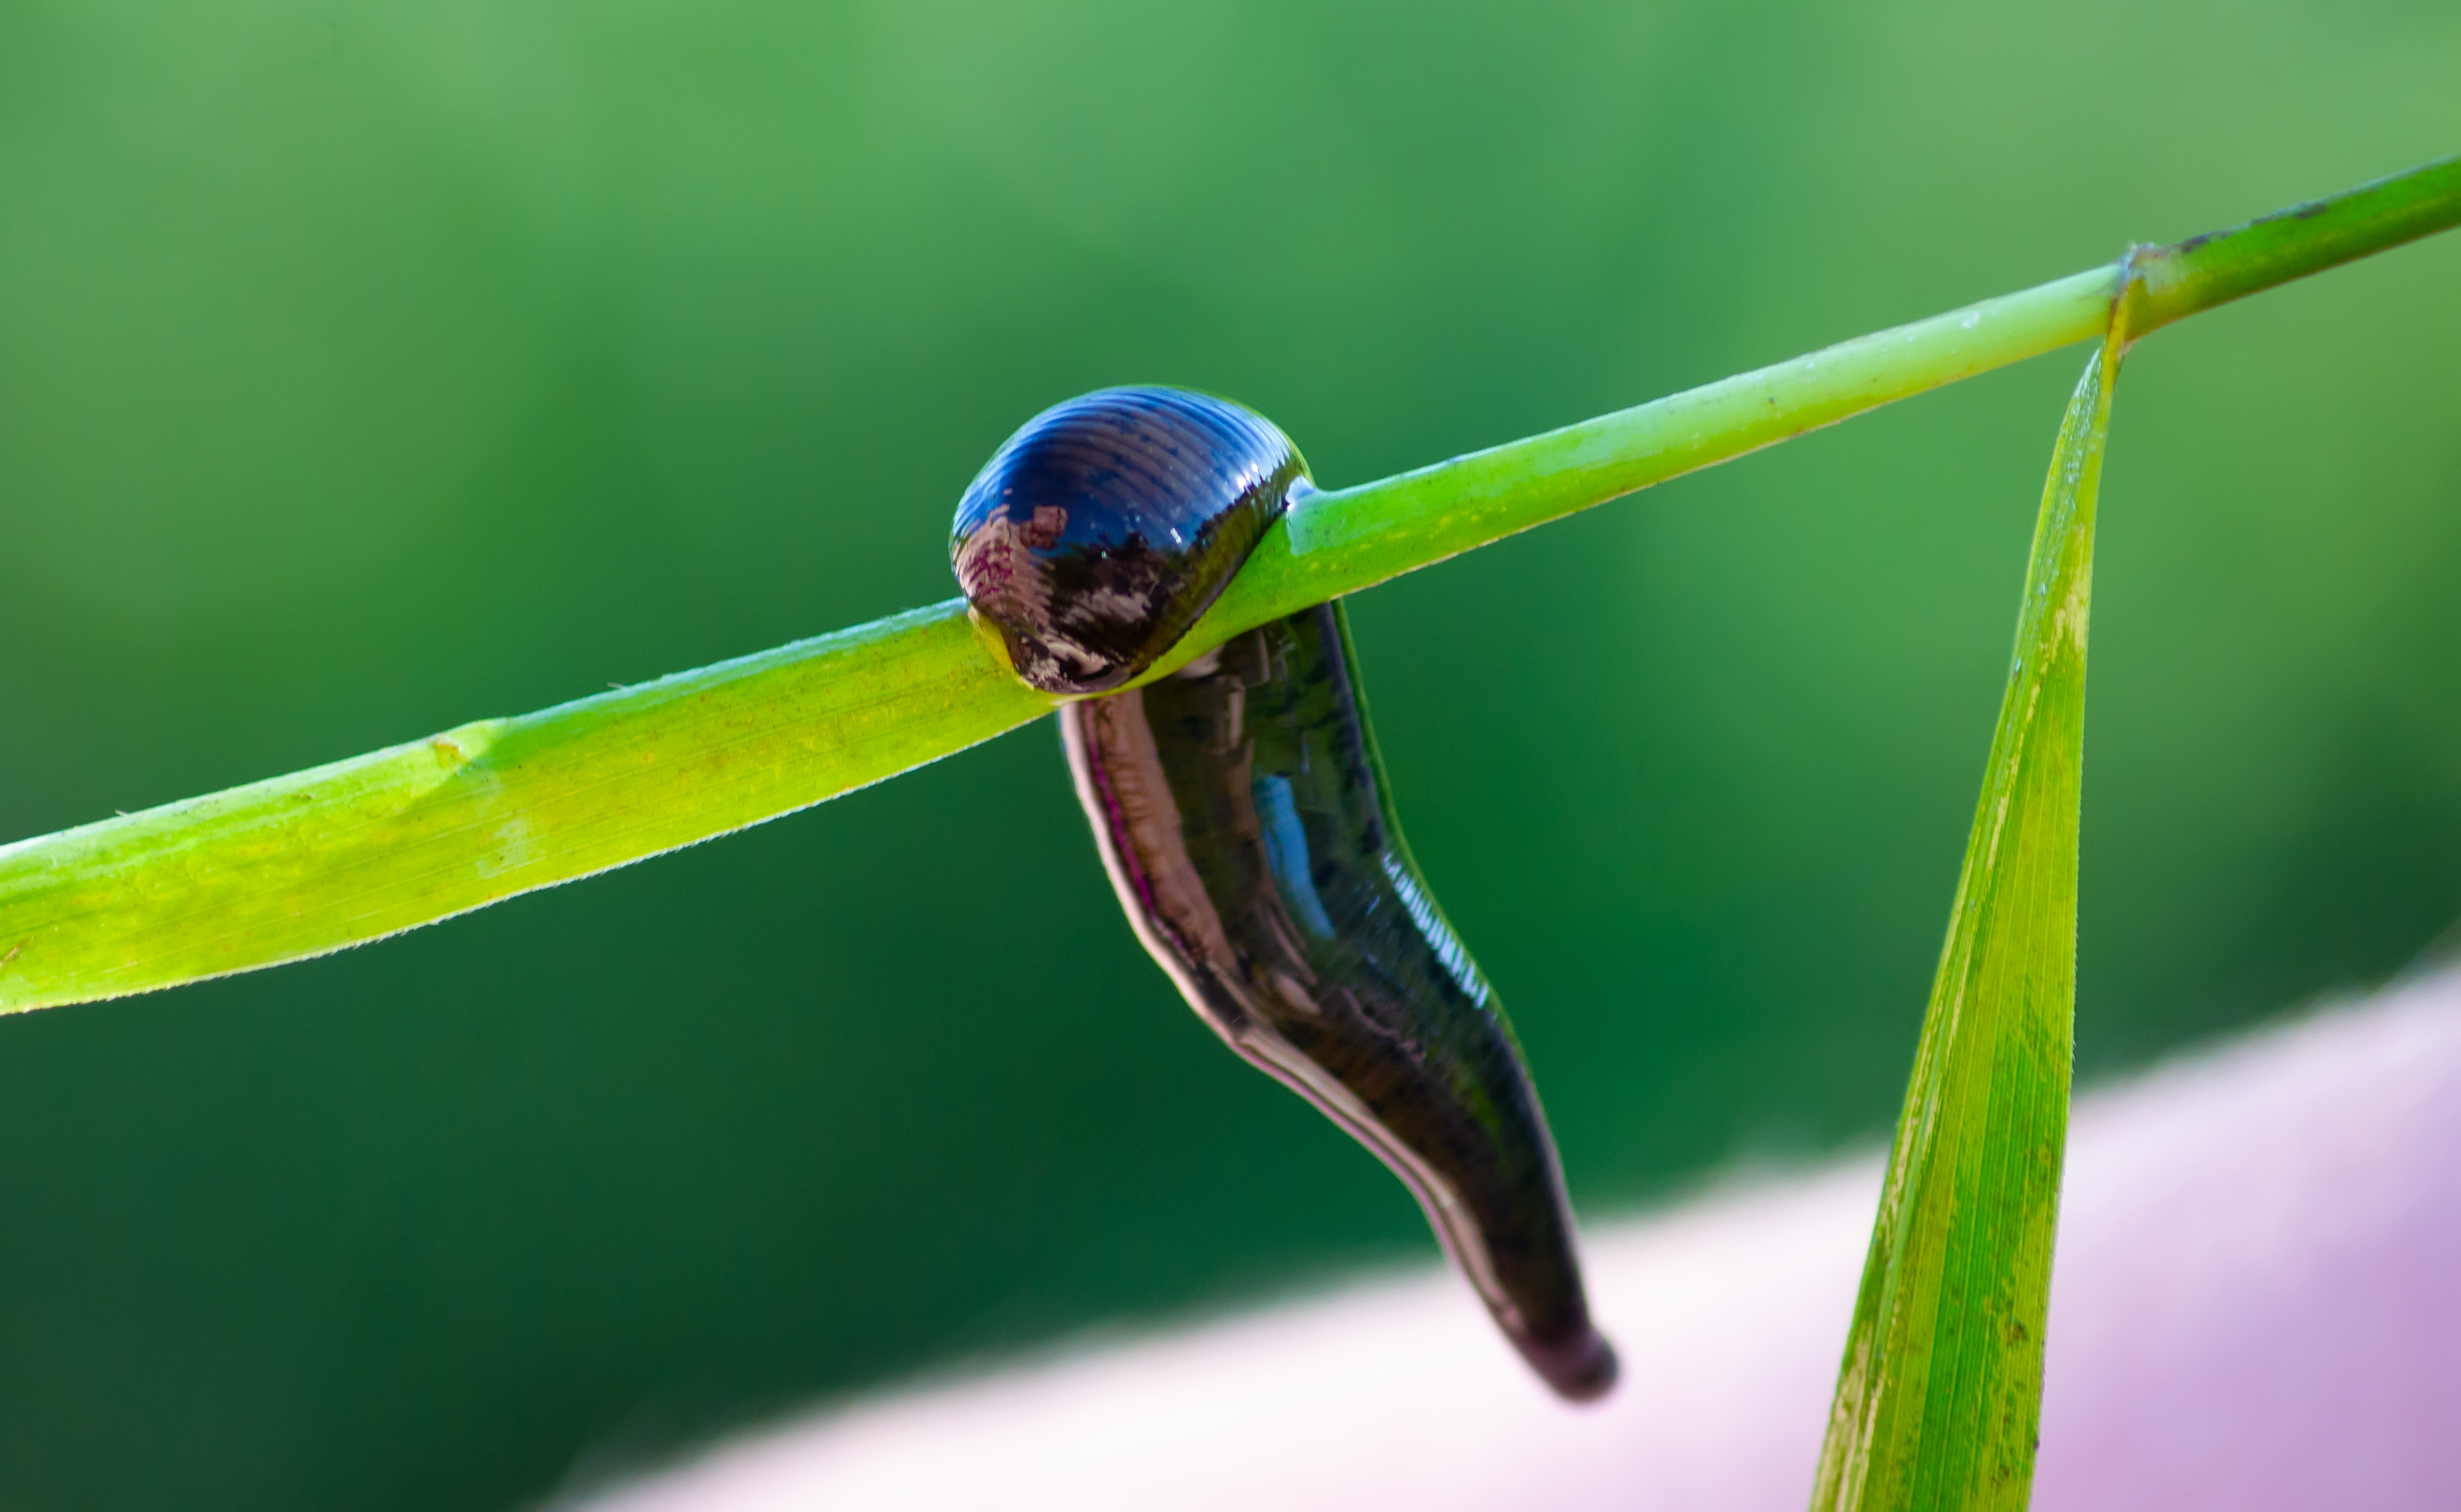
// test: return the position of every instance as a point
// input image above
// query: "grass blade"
(1941, 1386)
(352, 852)
(363, 849)
(344, 854)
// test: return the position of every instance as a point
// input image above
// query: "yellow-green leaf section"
(1941, 1386)
(363, 849)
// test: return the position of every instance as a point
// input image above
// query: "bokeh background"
(365, 369)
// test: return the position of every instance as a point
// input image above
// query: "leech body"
(1240, 808)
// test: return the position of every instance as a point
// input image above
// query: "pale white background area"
(2257, 1304)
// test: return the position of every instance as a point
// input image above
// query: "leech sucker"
(1101, 531)
(1241, 810)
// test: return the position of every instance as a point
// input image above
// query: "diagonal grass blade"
(350, 852)
(1941, 1386)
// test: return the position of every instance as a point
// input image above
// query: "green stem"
(317, 861)
(1356, 538)
(2215, 268)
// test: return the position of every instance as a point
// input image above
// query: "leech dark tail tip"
(1580, 1370)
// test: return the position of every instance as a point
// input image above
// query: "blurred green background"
(369, 367)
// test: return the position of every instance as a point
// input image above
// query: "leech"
(1241, 811)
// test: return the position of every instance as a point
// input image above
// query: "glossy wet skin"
(1241, 810)
(1241, 813)
(1100, 533)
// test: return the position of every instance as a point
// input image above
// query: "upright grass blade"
(1942, 1387)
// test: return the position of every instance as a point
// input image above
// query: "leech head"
(1099, 534)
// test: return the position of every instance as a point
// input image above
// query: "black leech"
(1240, 808)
